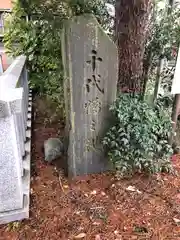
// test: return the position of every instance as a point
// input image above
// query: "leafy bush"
(40, 38)
(138, 139)
(162, 43)
(165, 102)
(167, 76)
(164, 38)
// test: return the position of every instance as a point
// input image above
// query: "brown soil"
(95, 207)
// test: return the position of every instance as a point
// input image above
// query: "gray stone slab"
(23, 212)
(10, 171)
(14, 172)
(1, 65)
(91, 65)
(16, 215)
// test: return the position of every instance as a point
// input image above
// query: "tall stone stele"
(90, 62)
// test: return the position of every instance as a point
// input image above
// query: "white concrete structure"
(176, 80)
(15, 142)
(110, 9)
(1, 65)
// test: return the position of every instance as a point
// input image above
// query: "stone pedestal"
(15, 142)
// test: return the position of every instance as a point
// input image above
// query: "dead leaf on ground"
(79, 236)
(176, 220)
(98, 237)
(133, 189)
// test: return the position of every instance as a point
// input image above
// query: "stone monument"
(90, 62)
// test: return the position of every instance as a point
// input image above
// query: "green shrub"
(40, 39)
(165, 101)
(138, 139)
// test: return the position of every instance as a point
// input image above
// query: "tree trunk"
(171, 3)
(132, 18)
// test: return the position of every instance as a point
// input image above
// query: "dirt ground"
(96, 207)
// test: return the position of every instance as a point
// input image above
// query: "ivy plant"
(138, 138)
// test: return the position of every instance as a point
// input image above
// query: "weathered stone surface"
(21, 213)
(1, 65)
(14, 169)
(53, 148)
(10, 172)
(10, 101)
(11, 196)
(90, 62)
(176, 83)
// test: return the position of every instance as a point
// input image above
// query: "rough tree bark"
(131, 29)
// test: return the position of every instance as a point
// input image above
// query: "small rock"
(53, 148)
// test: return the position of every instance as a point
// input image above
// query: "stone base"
(20, 214)
(16, 215)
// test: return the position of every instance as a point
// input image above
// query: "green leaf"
(138, 145)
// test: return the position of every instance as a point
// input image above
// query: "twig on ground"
(60, 183)
(93, 208)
